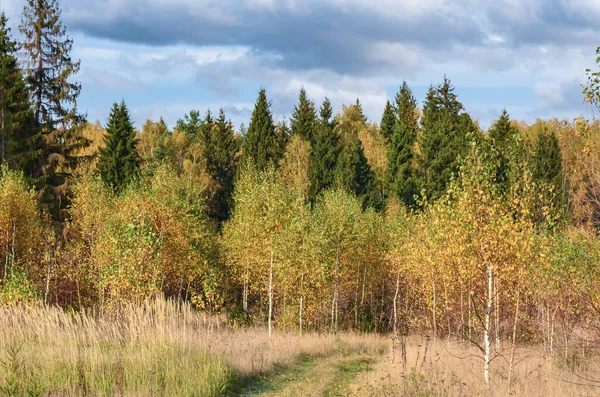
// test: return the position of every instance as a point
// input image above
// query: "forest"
(420, 224)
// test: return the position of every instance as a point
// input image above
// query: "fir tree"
(400, 177)
(49, 65)
(324, 152)
(353, 172)
(304, 118)
(119, 160)
(19, 138)
(443, 140)
(546, 160)
(388, 120)
(221, 161)
(262, 142)
(500, 135)
(49, 70)
(191, 125)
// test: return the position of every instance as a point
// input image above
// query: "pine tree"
(443, 140)
(304, 118)
(324, 152)
(400, 177)
(191, 125)
(19, 138)
(388, 120)
(262, 142)
(119, 160)
(221, 161)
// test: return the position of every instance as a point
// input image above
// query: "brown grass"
(450, 368)
(157, 348)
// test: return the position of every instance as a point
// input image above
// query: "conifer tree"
(221, 161)
(304, 118)
(262, 143)
(119, 160)
(50, 66)
(353, 172)
(400, 177)
(443, 140)
(546, 162)
(388, 120)
(191, 125)
(500, 135)
(19, 138)
(49, 69)
(324, 152)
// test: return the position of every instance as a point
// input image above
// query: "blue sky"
(166, 57)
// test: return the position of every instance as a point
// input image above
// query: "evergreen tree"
(49, 69)
(546, 161)
(324, 152)
(304, 118)
(502, 130)
(262, 142)
(191, 125)
(49, 65)
(500, 135)
(388, 120)
(443, 140)
(400, 177)
(221, 161)
(119, 160)
(353, 172)
(19, 138)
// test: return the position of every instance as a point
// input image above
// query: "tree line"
(423, 222)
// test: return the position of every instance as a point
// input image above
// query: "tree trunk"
(497, 316)
(301, 302)
(513, 347)
(395, 326)
(486, 334)
(270, 292)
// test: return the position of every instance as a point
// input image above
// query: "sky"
(167, 57)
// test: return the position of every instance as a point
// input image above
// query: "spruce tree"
(19, 138)
(443, 140)
(324, 153)
(546, 160)
(353, 172)
(50, 66)
(119, 160)
(304, 118)
(500, 135)
(49, 69)
(221, 160)
(388, 120)
(262, 142)
(400, 177)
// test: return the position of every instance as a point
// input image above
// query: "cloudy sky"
(166, 57)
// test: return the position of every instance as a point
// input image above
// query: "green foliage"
(388, 120)
(304, 118)
(262, 142)
(443, 141)
(401, 173)
(324, 153)
(353, 172)
(19, 137)
(119, 160)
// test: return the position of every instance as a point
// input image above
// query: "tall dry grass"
(451, 368)
(157, 348)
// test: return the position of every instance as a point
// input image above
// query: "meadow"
(168, 349)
